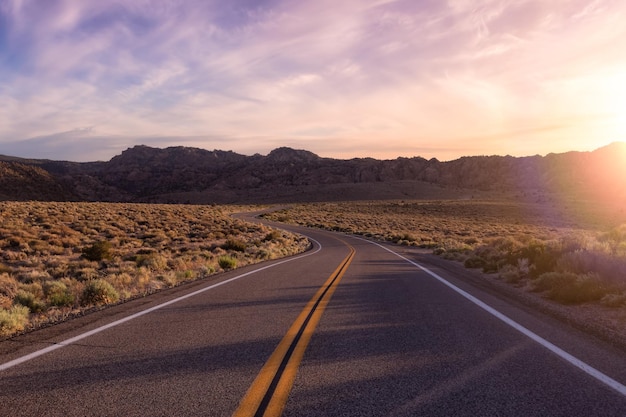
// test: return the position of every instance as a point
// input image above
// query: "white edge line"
(81, 336)
(605, 379)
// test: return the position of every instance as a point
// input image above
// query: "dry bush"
(13, 320)
(31, 300)
(571, 288)
(429, 224)
(54, 252)
(98, 251)
(235, 245)
(99, 292)
(227, 262)
(612, 268)
(153, 261)
(58, 294)
(570, 262)
(8, 290)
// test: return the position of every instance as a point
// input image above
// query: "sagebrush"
(533, 246)
(57, 259)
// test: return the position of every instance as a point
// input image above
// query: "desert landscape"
(309, 208)
(561, 238)
(568, 262)
(59, 260)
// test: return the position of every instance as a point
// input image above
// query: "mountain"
(192, 175)
(21, 181)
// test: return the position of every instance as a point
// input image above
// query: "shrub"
(152, 261)
(8, 288)
(439, 251)
(570, 288)
(234, 244)
(34, 287)
(273, 235)
(227, 262)
(550, 280)
(609, 267)
(492, 258)
(207, 270)
(170, 278)
(542, 256)
(42, 243)
(30, 300)
(85, 274)
(511, 274)
(57, 294)
(13, 320)
(523, 266)
(98, 251)
(616, 238)
(99, 291)
(185, 275)
(121, 280)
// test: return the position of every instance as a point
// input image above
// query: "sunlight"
(615, 102)
(599, 103)
(613, 96)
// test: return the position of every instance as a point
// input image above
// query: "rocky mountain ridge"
(193, 175)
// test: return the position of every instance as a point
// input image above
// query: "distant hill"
(192, 175)
(21, 181)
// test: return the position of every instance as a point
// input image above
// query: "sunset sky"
(83, 80)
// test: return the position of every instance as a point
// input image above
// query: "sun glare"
(614, 95)
(604, 95)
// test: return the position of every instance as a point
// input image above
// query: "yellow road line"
(268, 394)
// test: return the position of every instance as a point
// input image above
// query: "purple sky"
(83, 80)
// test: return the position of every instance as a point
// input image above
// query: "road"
(346, 329)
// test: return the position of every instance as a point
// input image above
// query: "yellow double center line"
(268, 394)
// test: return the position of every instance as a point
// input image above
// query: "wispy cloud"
(382, 77)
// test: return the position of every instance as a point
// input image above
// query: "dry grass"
(57, 259)
(566, 253)
(446, 225)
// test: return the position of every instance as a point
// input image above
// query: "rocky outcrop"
(183, 174)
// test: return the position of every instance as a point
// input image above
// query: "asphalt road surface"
(347, 329)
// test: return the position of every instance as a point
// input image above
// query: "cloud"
(309, 73)
(74, 145)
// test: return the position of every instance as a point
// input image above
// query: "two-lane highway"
(194, 357)
(393, 340)
(398, 342)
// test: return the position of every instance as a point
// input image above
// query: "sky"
(83, 80)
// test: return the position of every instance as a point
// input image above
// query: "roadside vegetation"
(61, 259)
(569, 256)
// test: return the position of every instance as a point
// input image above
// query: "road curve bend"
(397, 338)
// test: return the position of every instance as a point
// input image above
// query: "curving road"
(349, 328)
